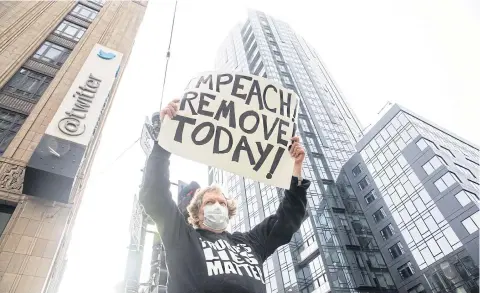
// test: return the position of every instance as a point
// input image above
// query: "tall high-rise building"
(60, 65)
(321, 257)
(417, 184)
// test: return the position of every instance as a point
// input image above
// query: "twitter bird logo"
(105, 55)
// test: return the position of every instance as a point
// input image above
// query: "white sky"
(423, 55)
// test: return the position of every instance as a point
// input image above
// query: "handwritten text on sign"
(236, 122)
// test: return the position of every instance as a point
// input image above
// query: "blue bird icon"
(105, 55)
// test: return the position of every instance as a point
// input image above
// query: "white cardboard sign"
(237, 122)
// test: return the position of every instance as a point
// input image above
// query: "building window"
(52, 53)
(379, 215)
(70, 30)
(417, 289)
(387, 232)
(370, 196)
(357, 170)
(362, 184)
(84, 12)
(446, 181)
(396, 250)
(99, 2)
(465, 171)
(406, 271)
(423, 143)
(433, 164)
(465, 197)
(472, 223)
(10, 123)
(27, 84)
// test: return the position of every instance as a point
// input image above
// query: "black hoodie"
(206, 262)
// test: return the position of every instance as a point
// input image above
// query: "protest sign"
(237, 122)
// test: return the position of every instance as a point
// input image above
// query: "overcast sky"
(423, 55)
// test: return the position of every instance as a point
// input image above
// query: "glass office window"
(10, 123)
(433, 164)
(357, 170)
(465, 197)
(362, 184)
(84, 12)
(406, 270)
(396, 250)
(387, 232)
(52, 53)
(472, 223)
(70, 30)
(370, 196)
(379, 215)
(423, 143)
(446, 181)
(27, 84)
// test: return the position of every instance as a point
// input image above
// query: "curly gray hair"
(194, 206)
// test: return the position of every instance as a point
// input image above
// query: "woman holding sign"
(203, 256)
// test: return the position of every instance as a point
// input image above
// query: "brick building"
(60, 65)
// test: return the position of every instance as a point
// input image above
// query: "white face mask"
(215, 216)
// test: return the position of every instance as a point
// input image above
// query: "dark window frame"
(406, 270)
(396, 250)
(427, 142)
(67, 24)
(47, 47)
(81, 7)
(378, 212)
(360, 169)
(10, 123)
(369, 195)
(359, 184)
(387, 236)
(17, 85)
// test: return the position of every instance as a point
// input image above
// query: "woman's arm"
(156, 198)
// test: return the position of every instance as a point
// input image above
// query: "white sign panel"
(78, 114)
(240, 123)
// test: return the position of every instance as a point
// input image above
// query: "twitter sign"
(79, 112)
(59, 153)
